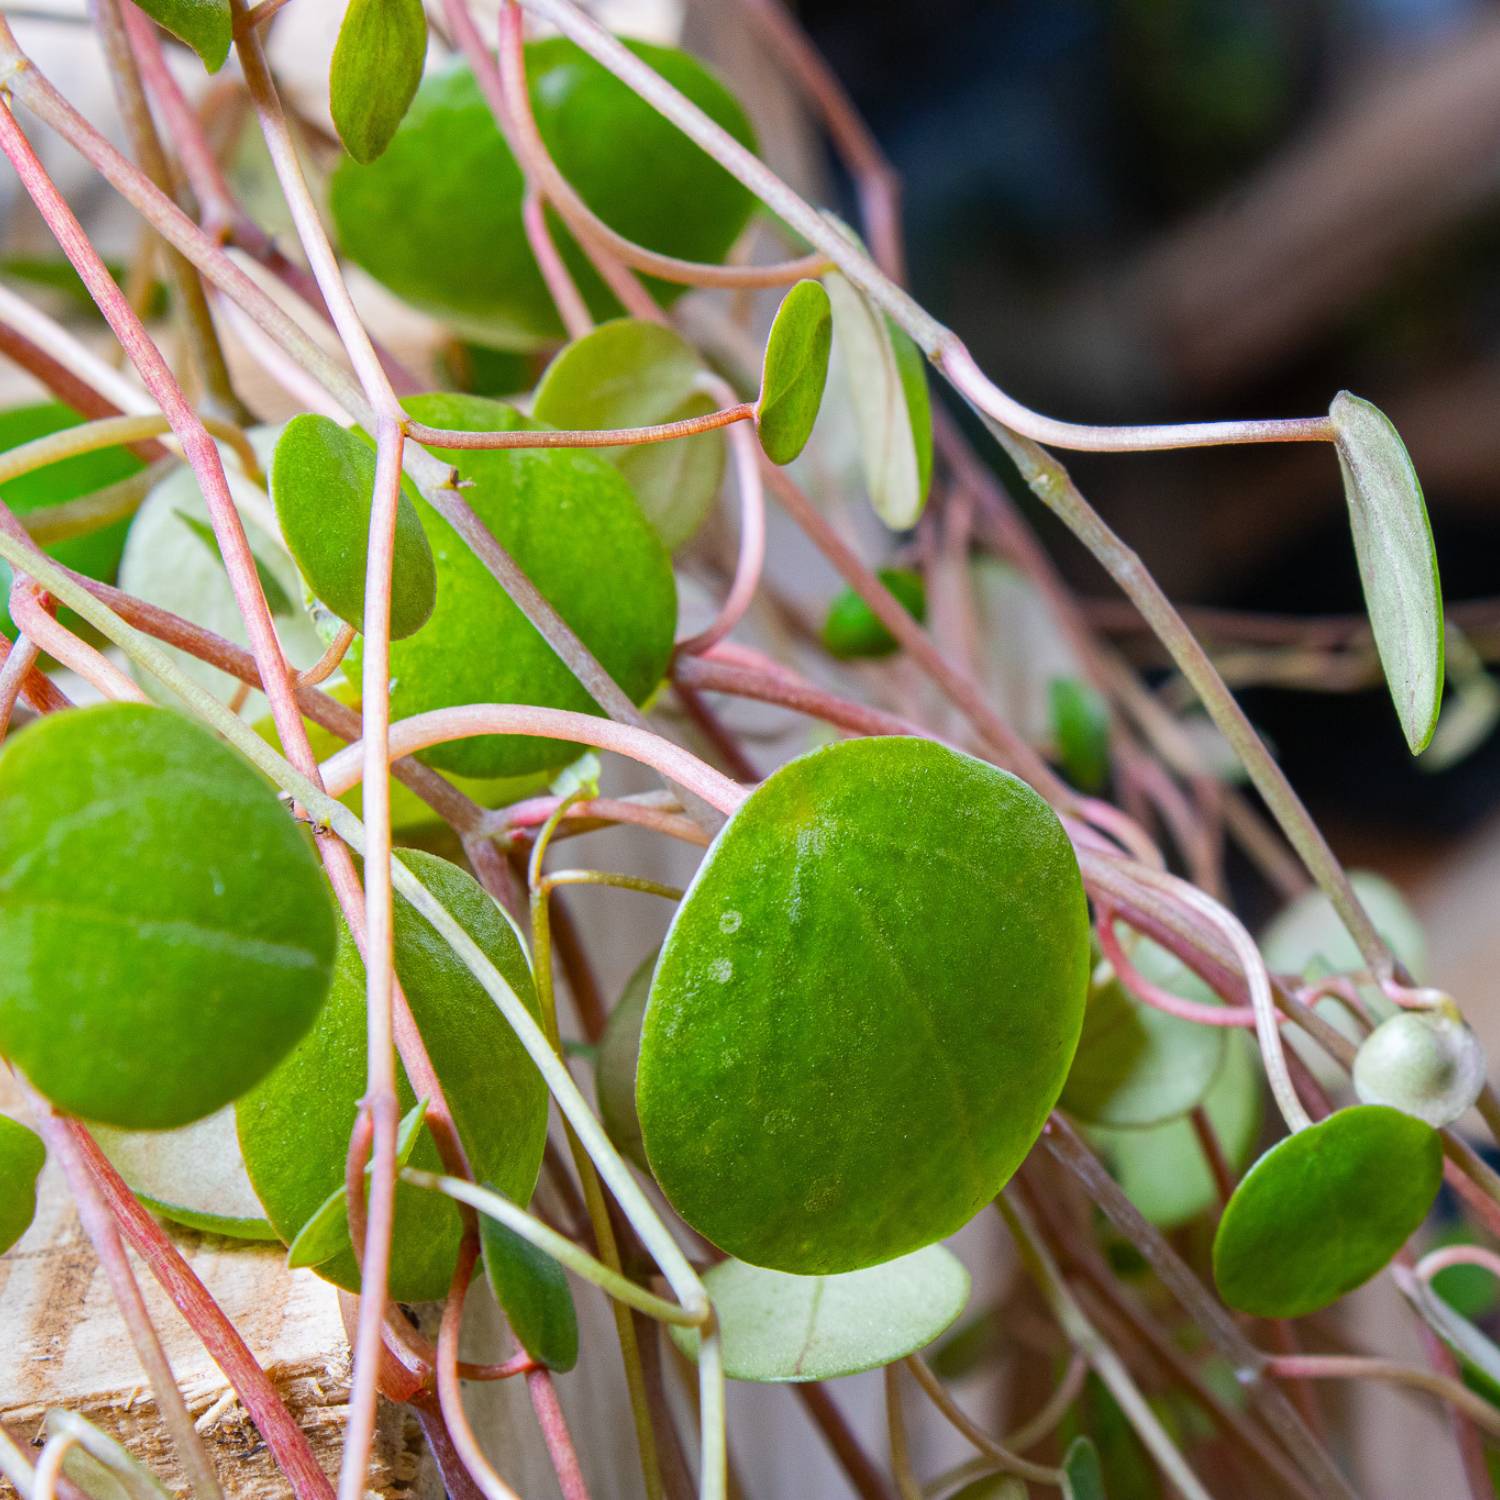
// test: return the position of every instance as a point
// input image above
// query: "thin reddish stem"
(555, 1434)
(561, 287)
(603, 437)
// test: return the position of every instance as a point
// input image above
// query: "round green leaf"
(849, 1047)
(1397, 561)
(888, 389)
(98, 553)
(205, 25)
(794, 372)
(777, 1327)
(322, 482)
(1325, 1209)
(294, 1129)
(619, 1051)
(438, 217)
(377, 65)
(1080, 730)
(194, 1175)
(629, 373)
(165, 933)
(172, 560)
(1162, 1167)
(533, 1291)
(22, 1157)
(1137, 1065)
(570, 521)
(852, 630)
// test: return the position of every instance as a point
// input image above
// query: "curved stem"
(609, 878)
(561, 287)
(601, 437)
(1002, 1457)
(19, 659)
(442, 725)
(49, 1465)
(1356, 1367)
(35, 621)
(1152, 994)
(112, 432)
(1458, 1255)
(658, 814)
(895, 1421)
(328, 663)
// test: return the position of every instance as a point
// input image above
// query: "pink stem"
(28, 609)
(1458, 1255)
(16, 662)
(535, 811)
(1357, 1367)
(746, 450)
(1152, 994)
(282, 1435)
(600, 437)
(554, 1425)
(442, 725)
(560, 284)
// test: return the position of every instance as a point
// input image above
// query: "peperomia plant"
(963, 949)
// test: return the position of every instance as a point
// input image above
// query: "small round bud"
(1425, 1062)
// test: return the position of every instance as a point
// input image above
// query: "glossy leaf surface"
(777, 1327)
(98, 553)
(851, 628)
(1397, 561)
(322, 483)
(165, 933)
(865, 1006)
(633, 168)
(376, 67)
(205, 25)
(1137, 1065)
(570, 521)
(794, 371)
(888, 389)
(1324, 1210)
(22, 1157)
(630, 373)
(533, 1291)
(194, 1175)
(295, 1128)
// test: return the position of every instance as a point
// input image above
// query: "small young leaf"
(1137, 1065)
(889, 394)
(851, 629)
(619, 1050)
(777, 1327)
(22, 1156)
(205, 25)
(533, 1291)
(322, 483)
(1397, 561)
(1083, 1478)
(166, 935)
(794, 372)
(1324, 1210)
(194, 1175)
(377, 65)
(1080, 730)
(569, 519)
(847, 1052)
(276, 596)
(326, 1233)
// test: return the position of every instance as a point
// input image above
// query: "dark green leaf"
(1325, 1209)
(22, 1157)
(98, 553)
(1080, 730)
(891, 409)
(326, 1233)
(205, 25)
(276, 596)
(570, 521)
(165, 933)
(848, 1049)
(1162, 1168)
(1083, 1479)
(777, 1327)
(533, 1291)
(194, 1175)
(438, 217)
(295, 1127)
(322, 482)
(614, 1078)
(629, 373)
(1397, 561)
(1137, 1065)
(377, 65)
(851, 628)
(794, 372)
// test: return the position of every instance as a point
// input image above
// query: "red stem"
(554, 1425)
